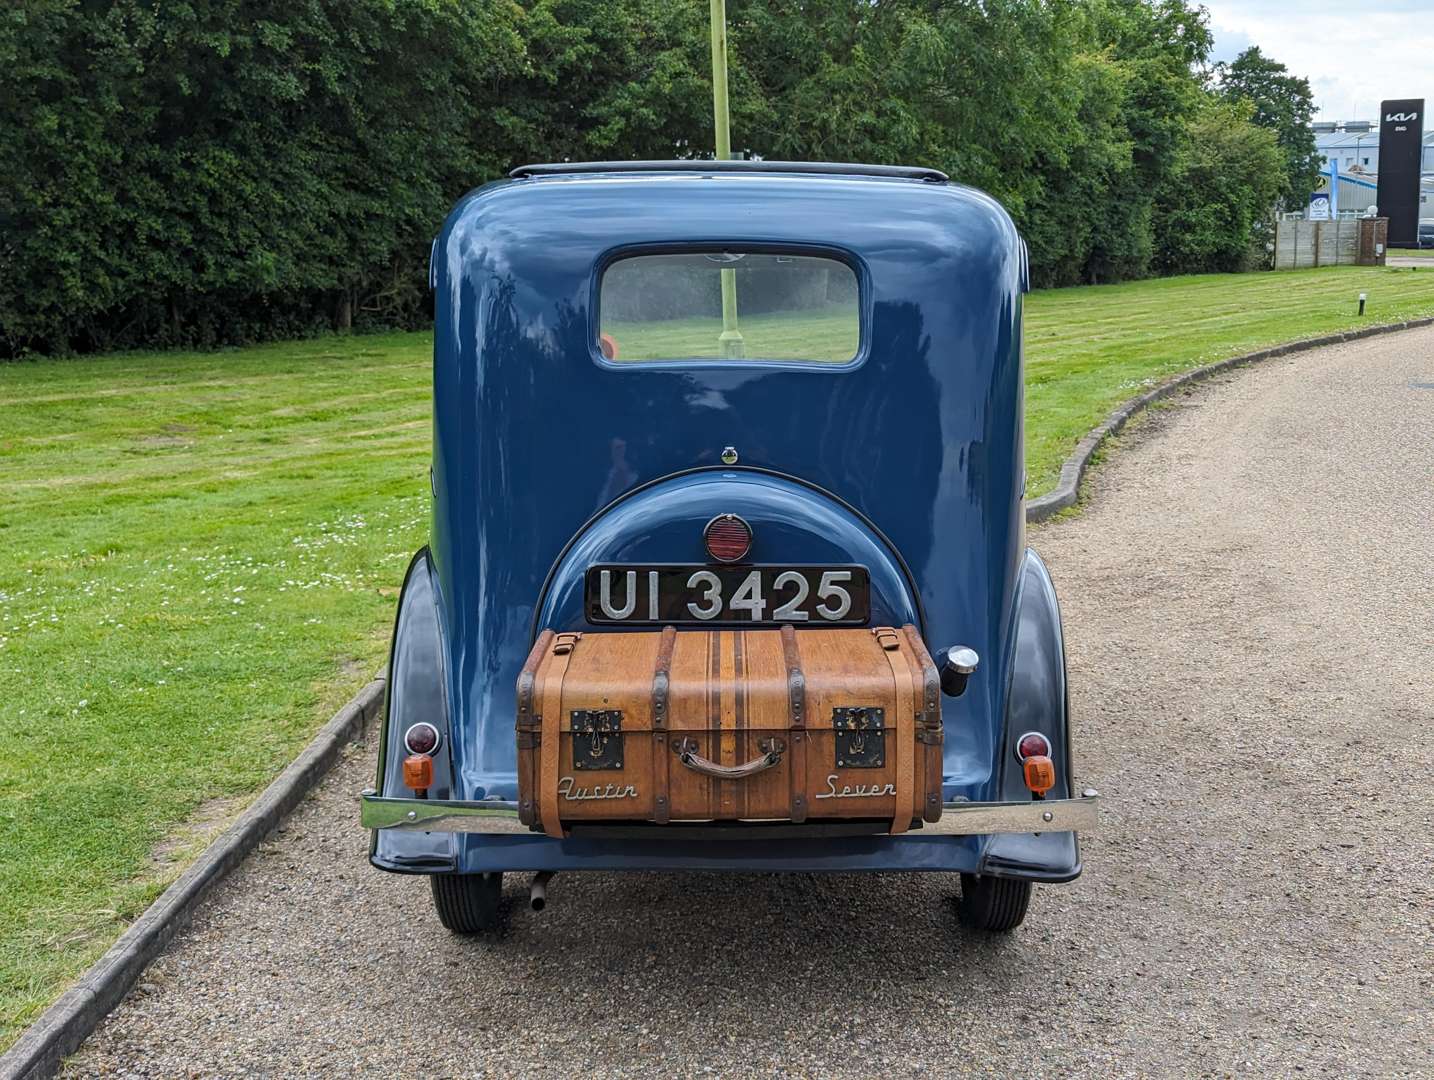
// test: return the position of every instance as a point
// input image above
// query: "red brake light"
(728, 538)
(422, 738)
(1033, 744)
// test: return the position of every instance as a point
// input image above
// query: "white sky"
(1355, 55)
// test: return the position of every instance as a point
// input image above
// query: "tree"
(1282, 103)
(226, 170)
(1213, 209)
(605, 80)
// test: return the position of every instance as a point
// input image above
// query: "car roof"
(707, 168)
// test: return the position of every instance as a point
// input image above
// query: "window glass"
(729, 305)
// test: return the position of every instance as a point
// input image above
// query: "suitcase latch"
(860, 736)
(597, 738)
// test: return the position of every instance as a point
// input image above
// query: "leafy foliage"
(1282, 103)
(1227, 175)
(218, 171)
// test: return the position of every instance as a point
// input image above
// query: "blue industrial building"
(1352, 147)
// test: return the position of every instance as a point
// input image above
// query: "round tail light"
(421, 739)
(1033, 744)
(728, 538)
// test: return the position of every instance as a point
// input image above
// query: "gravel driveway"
(1249, 605)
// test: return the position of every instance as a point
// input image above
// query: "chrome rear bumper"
(957, 819)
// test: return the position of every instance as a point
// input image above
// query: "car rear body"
(552, 459)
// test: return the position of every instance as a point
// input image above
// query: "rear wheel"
(467, 903)
(992, 903)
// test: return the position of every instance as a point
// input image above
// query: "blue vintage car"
(627, 352)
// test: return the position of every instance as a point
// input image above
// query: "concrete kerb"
(1067, 489)
(62, 1027)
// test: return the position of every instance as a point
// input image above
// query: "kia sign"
(1401, 135)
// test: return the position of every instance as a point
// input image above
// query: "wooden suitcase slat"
(729, 709)
(904, 728)
(843, 672)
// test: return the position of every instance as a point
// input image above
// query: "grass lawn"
(1416, 253)
(199, 555)
(1089, 349)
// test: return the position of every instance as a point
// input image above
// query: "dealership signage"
(1401, 137)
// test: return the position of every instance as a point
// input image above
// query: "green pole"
(731, 337)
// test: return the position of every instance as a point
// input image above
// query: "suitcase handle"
(686, 751)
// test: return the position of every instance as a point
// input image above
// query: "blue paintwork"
(914, 448)
(792, 524)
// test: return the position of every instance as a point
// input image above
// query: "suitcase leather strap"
(797, 710)
(529, 732)
(552, 740)
(890, 642)
(931, 734)
(661, 705)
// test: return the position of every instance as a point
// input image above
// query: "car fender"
(1037, 700)
(792, 522)
(416, 692)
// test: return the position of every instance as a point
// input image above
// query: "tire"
(993, 904)
(467, 903)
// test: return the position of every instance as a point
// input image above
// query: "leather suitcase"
(729, 725)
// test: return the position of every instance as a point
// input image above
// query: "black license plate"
(659, 595)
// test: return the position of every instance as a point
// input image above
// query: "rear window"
(729, 305)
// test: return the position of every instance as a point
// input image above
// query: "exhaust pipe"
(538, 891)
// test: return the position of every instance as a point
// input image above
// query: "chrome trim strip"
(440, 815)
(1036, 816)
(957, 819)
(819, 168)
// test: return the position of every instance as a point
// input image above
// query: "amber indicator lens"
(728, 538)
(1033, 744)
(421, 739)
(1040, 774)
(418, 772)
